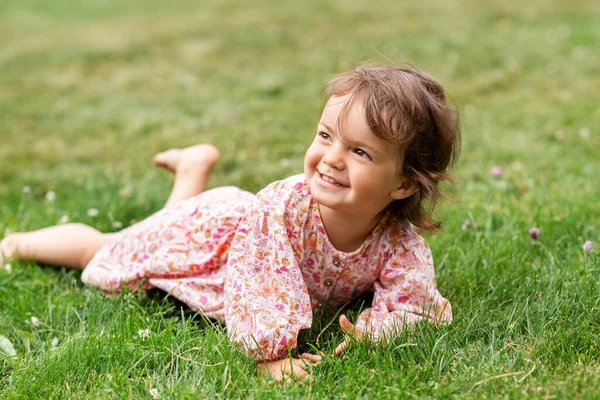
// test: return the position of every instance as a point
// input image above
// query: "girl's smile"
(329, 182)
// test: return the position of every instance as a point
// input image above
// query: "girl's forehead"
(351, 107)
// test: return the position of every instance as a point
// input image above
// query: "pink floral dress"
(263, 264)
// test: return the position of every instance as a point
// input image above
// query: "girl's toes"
(167, 159)
(160, 159)
(8, 246)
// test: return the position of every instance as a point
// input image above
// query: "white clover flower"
(54, 343)
(466, 224)
(8, 268)
(584, 133)
(50, 195)
(35, 322)
(154, 393)
(588, 246)
(125, 191)
(26, 189)
(117, 224)
(63, 220)
(502, 185)
(92, 212)
(144, 333)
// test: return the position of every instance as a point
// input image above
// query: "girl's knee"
(95, 246)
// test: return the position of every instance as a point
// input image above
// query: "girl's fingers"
(351, 333)
(313, 358)
(298, 370)
(350, 329)
(283, 369)
(346, 324)
(342, 347)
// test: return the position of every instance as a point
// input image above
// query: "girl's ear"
(406, 189)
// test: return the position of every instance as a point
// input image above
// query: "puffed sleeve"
(266, 300)
(405, 293)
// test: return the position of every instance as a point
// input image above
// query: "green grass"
(90, 90)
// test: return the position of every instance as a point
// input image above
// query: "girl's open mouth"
(330, 180)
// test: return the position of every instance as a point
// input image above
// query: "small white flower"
(54, 343)
(502, 185)
(144, 333)
(285, 162)
(26, 189)
(154, 393)
(8, 268)
(92, 212)
(584, 133)
(35, 322)
(117, 224)
(63, 220)
(125, 191)
(50, 195)
(6, 347)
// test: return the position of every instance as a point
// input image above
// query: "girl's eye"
(362, 153)
(324, 135)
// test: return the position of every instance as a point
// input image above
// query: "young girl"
(263, 264)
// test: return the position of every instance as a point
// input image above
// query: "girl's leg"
(191, 167)
(70, 245)
(74, 245)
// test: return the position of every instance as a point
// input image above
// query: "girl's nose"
(334, 159)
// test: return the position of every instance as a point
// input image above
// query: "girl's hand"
(352, 333)
(288, 367)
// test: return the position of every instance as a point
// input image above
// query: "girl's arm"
(266, 300)
(405, 294)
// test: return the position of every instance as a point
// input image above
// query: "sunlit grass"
(89, 91)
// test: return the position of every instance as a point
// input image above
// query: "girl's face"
(355, 174)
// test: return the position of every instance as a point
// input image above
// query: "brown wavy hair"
(407, 108)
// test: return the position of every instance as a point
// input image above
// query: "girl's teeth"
(328, 179)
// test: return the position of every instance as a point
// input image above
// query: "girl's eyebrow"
(326, 126)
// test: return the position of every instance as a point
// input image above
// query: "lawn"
(90, 90)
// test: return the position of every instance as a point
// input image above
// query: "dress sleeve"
(405, 293)
(266, 300)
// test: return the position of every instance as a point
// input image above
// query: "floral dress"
(263, 264)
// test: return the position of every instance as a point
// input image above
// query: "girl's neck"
(347, 232)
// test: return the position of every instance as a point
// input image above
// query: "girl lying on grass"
(264, 263)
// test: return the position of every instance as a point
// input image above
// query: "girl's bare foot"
(9, 246)
(198, 157)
